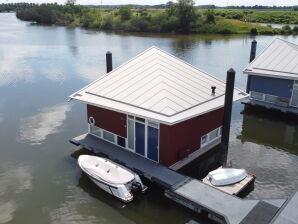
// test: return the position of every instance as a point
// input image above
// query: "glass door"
(152, 150)
(140, 138)
(131, 133)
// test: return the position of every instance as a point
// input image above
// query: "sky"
(154, 2)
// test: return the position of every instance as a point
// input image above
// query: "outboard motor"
(136, 187)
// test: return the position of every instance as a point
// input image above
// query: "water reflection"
(267, 128)
(71, 37)
(6, 210)
(54, 73)
(15, 179)
(36, 128)
(14, 66)
(71, 211)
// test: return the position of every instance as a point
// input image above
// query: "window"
(211, 136)
(294, 98)
(257, 96)
(153, 124)
(95, 130)
(131, 117)
(140, 119)
(108, 136)
(121, 141)
(131, 134)
(204, 139)
(270, 98)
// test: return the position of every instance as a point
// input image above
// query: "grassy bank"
(260, 16)
(175, 19)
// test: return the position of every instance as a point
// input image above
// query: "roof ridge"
(287, 42)
(179, 59)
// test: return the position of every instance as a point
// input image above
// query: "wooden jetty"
(194, 194)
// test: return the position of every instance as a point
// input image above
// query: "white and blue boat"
(111, 177)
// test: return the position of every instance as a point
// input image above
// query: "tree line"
(179, 17)
(12, 7)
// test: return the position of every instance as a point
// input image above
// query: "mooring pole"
(252, 56)
(225, 137)
(109, 61)
(253, 49)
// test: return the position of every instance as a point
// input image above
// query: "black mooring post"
(253, 49)
(109, 61)
(252, 56)
(225, 137)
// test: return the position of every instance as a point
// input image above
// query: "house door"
(140, 138)
(294, 99)
(152, 147)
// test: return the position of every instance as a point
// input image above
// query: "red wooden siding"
(179, 140)
(109, 120)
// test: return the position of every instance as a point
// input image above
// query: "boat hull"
(226, 176)
(113, 190)
(97, 169)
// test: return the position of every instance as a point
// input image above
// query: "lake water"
(40, 66)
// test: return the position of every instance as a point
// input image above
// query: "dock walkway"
(290, 110)
(189, 192)
(153, 171)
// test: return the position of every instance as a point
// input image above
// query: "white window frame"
(295, 85)
(263, 97)
(208, 140)
(115, 136)
(147, 123)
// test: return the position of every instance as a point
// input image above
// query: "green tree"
(125, 13)
(209, 16)
(70, 2)
(186, 14)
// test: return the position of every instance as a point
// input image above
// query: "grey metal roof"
(279, 59)
(156, 85)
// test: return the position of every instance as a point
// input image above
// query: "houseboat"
(273, 77)
(158, 107)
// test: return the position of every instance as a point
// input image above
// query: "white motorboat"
(111, 177)
(226, 176)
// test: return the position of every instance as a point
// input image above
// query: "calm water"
(40, 66)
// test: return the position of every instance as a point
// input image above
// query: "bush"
(287, 29)
(225, 31)
(139, 24)
(125, 13)
(107, 22)
(209, 16)
(295, 29)
(254, 31)
(170, 24)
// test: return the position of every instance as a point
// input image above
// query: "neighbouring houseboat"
(158, 107)
(273, 77)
